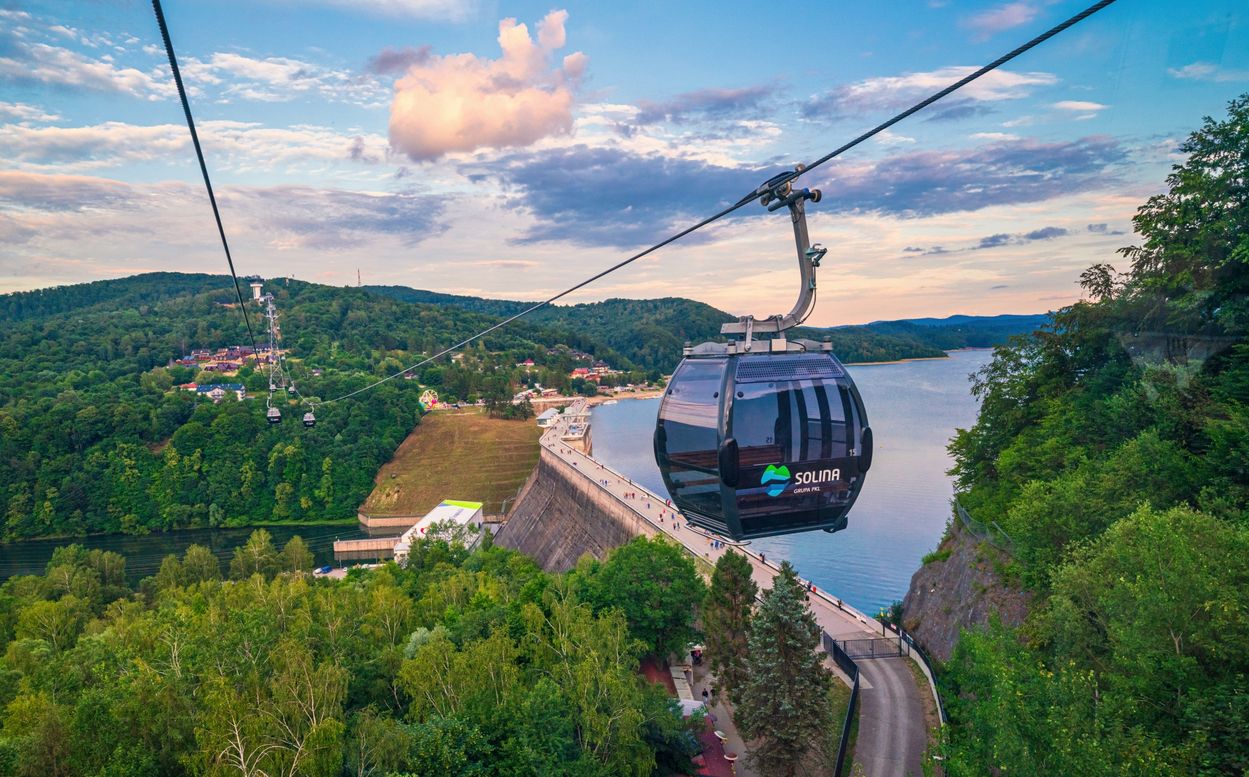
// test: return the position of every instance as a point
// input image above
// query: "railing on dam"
(847, 665)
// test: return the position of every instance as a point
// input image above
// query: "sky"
(510, 149)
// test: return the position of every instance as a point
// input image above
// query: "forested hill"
(651, 332)
(134, 291)
(1112, 448)
(963, 331)
(95, 437)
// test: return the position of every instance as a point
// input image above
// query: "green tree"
(200, 564)
(256, 556)
(654, 583)
(172, 573)
(56, 622)
(296, 556)
(377, 744)
(447, 746)
(784, 702)
(726, 621)
(1097, 436)
(1195, 244)
(1156, 606)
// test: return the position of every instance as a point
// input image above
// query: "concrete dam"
(563, 513)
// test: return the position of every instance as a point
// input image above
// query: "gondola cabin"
(755, 445)
(274, 415)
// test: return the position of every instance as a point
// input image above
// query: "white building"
(451, 513)
(548, 417)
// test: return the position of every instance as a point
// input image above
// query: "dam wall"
(562, 513)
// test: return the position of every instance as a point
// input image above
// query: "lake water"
(144, 554)
(914, 408)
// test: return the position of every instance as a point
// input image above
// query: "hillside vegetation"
(1112, 448)
(94, 436)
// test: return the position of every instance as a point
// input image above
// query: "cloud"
(1104, 229)
(24, 112)
(998, 240)
(1003, 17)
(1081, 106)
(613, 196)
(742, 103)
(39, 63)
(445, 10)
(280, 79)
(994, 136)
(503, 264)
(925, 183)
(334, 219)
(460, 102)
(30, 191)
(895, 92)
(1207, 71)
(890, 138)
(390, 61)
(281, 217)
(610, 196)
(957, 110)
(232, 144)
(993, 241)
(1045, 233)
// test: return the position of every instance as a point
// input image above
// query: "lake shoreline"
(916, 358)
(68, 538)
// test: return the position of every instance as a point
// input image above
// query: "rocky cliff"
(958, 589)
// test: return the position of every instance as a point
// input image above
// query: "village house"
(219, 391)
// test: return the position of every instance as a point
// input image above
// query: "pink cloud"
(1003, 17)
(460, 102)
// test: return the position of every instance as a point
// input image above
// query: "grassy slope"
(456, 456)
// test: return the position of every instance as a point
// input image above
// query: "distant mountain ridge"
(651, 332)
(1003, 320)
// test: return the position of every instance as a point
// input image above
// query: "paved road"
(892, 734)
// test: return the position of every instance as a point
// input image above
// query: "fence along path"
(892, 731)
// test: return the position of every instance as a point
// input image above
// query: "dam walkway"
(892, 729)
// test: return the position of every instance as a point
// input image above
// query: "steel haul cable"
(199, 153)
(797, 173)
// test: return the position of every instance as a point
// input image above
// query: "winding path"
(892, 733)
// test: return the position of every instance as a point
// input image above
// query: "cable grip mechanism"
(776, 193)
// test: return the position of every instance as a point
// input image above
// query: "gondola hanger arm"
(776, 193)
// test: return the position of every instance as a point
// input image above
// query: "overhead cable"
(199, 153)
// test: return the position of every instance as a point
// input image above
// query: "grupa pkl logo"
(775, 478)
